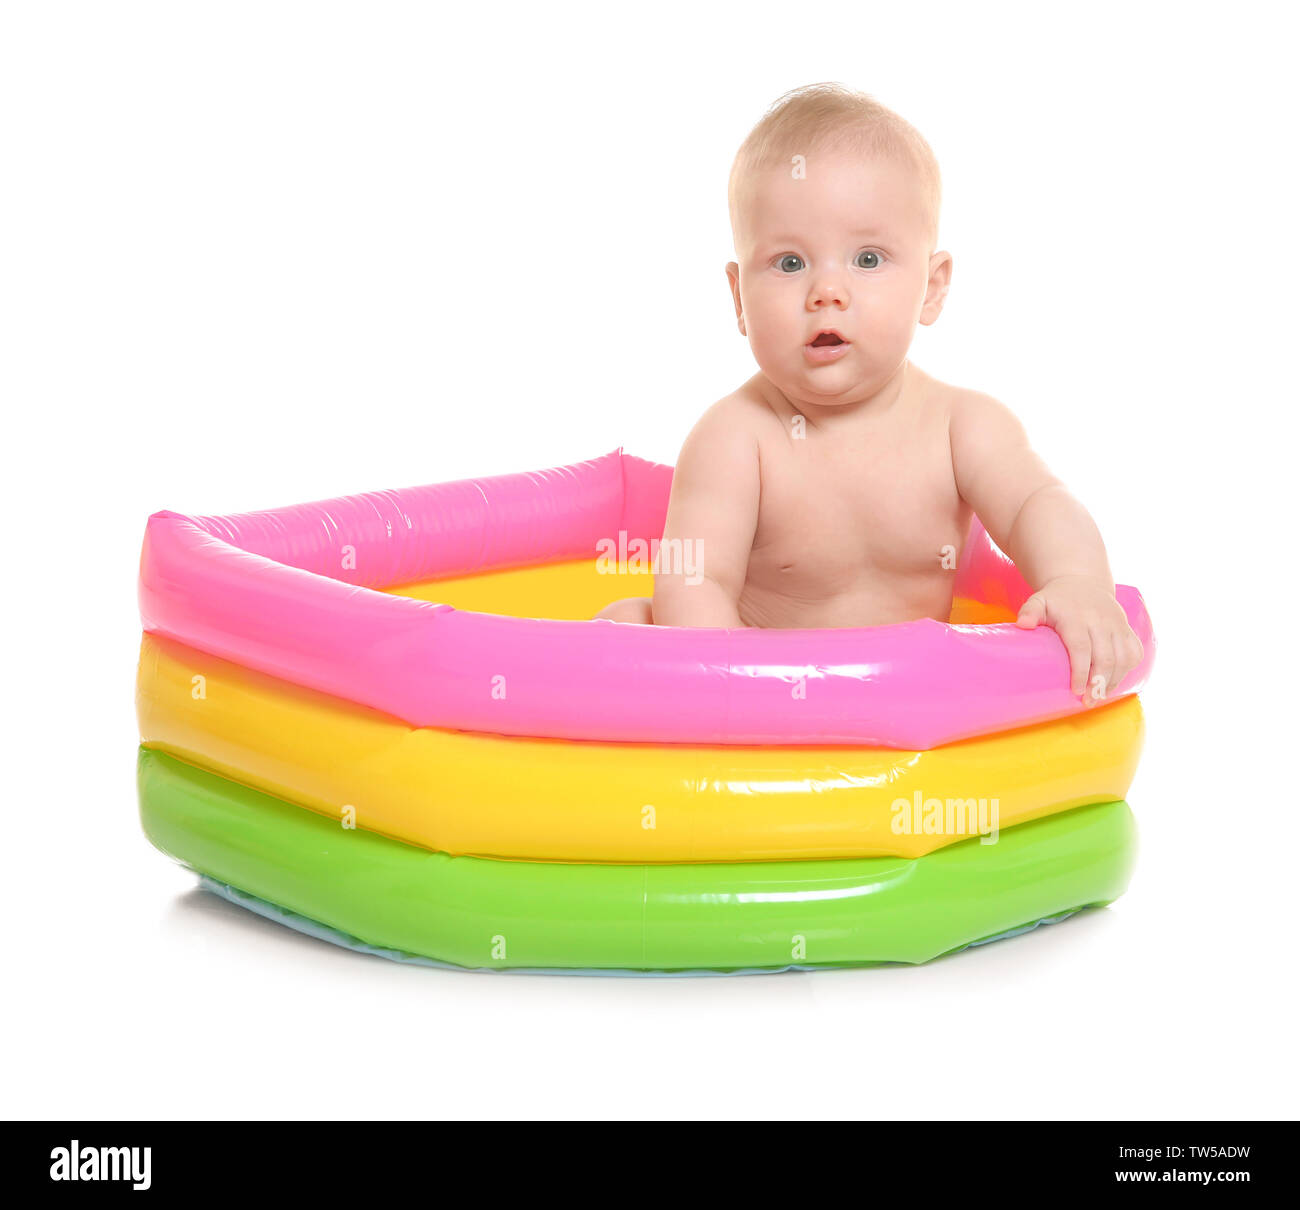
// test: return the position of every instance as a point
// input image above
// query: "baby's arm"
(713, 512)
(1054, 542)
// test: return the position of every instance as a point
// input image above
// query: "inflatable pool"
(389, 720)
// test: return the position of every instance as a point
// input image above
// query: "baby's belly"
(870, 600)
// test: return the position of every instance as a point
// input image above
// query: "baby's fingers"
(1128, 655)
(1079, 648)
(1033, 612)
(1102, 677)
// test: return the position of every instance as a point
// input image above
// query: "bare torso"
(856, 512)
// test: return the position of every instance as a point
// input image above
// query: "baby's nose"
(829, 293)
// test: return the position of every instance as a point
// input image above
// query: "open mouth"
(826, 347)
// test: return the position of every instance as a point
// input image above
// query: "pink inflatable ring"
(297, 593)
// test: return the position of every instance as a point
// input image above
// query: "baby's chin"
(833, 385)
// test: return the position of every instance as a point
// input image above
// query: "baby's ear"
(936, 288)
(733, 278)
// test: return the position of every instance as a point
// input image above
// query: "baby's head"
(835, 211)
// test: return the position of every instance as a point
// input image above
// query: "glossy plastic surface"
(323, 932)
(477, 913)
(291, 593)
(565, 800)
(576, 590)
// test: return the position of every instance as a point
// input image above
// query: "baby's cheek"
(776, 334)
(892, 325)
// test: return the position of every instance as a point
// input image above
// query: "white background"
(255, 254)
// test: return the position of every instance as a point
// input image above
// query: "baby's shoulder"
(746, 408)
(735, 423)
(963, 404)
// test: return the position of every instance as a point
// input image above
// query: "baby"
(824, 491)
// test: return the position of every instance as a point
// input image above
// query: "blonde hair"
(823, 117)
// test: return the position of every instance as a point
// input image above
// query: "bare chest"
(835, 513)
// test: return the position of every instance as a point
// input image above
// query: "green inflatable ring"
(478, 913)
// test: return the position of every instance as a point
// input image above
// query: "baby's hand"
(1102, 646)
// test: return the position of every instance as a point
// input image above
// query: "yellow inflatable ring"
(530, 799)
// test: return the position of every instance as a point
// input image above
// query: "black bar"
(235, 1159)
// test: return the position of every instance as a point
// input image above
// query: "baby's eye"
(790, 263)
(868, 260)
